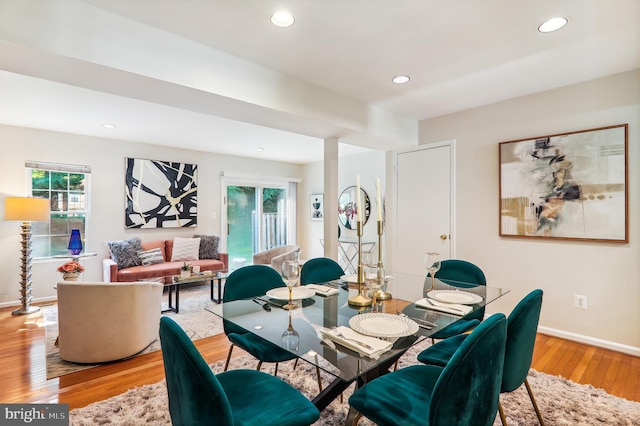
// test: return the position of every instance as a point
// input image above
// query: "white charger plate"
(454, 296)
(383, 325)
(298, 293)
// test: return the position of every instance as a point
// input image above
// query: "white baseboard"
(16, 303)
(630, 350)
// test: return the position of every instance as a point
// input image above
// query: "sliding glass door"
(258, 217)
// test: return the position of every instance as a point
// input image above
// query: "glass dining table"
(321, 312)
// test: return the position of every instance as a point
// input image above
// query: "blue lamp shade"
(75, 242)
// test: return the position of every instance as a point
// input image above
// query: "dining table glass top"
(321, 312)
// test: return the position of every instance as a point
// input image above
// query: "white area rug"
(561, 401)
(192, 317)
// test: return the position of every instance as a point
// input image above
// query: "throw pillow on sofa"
(151, 257)
(125, 252)
(185, 249)
(208, 246)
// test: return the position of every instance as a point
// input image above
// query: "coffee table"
(174, 282)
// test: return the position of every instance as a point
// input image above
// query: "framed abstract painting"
(317, 207)
(570, 186)
(160, 194)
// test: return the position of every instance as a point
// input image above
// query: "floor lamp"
(27, 210)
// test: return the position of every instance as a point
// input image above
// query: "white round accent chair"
(101, 322)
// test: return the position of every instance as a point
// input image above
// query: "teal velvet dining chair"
(197, 396)
(246, 282)
(243, 283)
(455, 272)
(320, 270)
(464, 392)
(522, 326)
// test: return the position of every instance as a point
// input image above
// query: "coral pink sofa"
(111, 273)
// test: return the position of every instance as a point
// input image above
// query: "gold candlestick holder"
(360, 299)
(381, 294)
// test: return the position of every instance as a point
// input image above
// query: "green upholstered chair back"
(248, 281)
(251, 281)
(320, 270)
(522, 326)
(195, 394)
(461, 270)
(468, 389)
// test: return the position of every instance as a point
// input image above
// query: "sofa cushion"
(185, 249)
(208, 246)
(150, 257)
(125, 252)
(150, 245)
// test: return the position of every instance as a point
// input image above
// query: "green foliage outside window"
(241, 206)
(270, 199)
(66, 191)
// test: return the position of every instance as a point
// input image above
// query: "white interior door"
(424, 209)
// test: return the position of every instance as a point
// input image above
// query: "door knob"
(443, 237)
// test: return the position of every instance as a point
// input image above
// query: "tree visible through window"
(256, 219)
(67, 193)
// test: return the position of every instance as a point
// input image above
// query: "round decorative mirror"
(348, 209)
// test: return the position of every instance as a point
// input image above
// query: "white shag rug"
(561, 401)
(192, 317)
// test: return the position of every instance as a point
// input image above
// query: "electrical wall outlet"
(579, 301)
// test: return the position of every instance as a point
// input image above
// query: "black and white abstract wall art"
(160, 194)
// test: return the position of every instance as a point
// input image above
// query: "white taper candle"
(379, 200)
(358, 205)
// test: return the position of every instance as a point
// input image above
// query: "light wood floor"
(23, 367)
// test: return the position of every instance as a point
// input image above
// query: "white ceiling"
(215, 75)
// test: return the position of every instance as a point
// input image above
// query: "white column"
(331, 198)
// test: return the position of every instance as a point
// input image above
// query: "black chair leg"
(319, 378)
(226, 365)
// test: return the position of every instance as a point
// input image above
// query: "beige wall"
(608, 274)
(369, 165)
(106, 158)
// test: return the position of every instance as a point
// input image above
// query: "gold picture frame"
(569, 186)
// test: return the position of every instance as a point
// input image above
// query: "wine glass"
(290, 338)
(367, 259)
(290, 274)
(432, 263)
(373, 279)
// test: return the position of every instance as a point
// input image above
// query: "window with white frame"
(67, 188)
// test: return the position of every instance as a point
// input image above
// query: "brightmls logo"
(36, 414)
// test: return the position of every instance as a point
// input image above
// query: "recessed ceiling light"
(401, 79)
(259, 149)
(282, 18)
(553, 24)
(108, 126)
